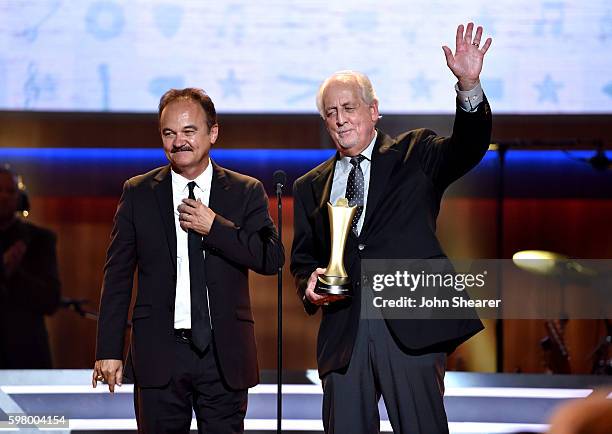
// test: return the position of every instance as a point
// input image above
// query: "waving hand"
(466, 63)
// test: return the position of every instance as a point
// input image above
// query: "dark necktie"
(355, 189)
(200, 316)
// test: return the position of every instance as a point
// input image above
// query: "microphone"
(279, 179)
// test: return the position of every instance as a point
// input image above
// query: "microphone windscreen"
(279, 177)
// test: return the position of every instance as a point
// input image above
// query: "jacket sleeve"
(255, 244)
(303, 262)
(446, 159)
(118, 280)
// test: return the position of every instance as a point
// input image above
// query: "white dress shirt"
(469, 99)
(341, 173)
(180, 191)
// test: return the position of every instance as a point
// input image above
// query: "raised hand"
(466, 64)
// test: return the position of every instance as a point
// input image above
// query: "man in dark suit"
(397, 185)
(193, 229)
(29, 282)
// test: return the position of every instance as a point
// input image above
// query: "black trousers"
(412, 387)
(196, 385)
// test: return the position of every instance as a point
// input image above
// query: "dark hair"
(194, 94)
(23, 201)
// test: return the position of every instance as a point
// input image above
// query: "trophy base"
(332, 285)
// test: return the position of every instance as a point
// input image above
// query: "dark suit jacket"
(408, 177)
(242, 237)
(29, 294)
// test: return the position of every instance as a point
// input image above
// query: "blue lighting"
(257, 156)
(101, 171)
(295, 156)
(81, 154)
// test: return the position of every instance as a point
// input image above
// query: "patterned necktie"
(200, 316)
(355, 187)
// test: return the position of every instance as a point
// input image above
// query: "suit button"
(361, 246)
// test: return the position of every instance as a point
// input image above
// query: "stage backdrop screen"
(266, 56)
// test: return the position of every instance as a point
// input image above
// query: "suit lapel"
(384, 158)
(321, 188)
(218, 186)
(162, 187)
(322, 183)
(217, 201)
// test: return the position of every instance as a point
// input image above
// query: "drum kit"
(564, 270)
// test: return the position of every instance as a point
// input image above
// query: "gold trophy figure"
(335, 281)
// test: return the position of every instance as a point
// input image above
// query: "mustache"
(181, 149)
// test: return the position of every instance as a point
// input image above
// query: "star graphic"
(421, 86)
(231, 85)
(548, 89)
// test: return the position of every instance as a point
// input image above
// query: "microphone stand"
(280, 178)
(499, 211)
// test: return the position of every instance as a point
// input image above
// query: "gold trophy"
(335, 281)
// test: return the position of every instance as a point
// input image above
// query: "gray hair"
(368, 94)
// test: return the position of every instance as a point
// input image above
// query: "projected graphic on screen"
(270, 56)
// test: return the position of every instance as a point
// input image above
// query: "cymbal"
(551, 264)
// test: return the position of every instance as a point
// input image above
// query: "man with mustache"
(193, 229)
(397, 185)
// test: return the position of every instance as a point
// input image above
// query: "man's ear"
(214, 133)
(374, 115)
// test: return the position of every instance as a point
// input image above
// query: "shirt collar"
(203, 180)
(367, 152)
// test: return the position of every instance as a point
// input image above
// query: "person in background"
(29, 281)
